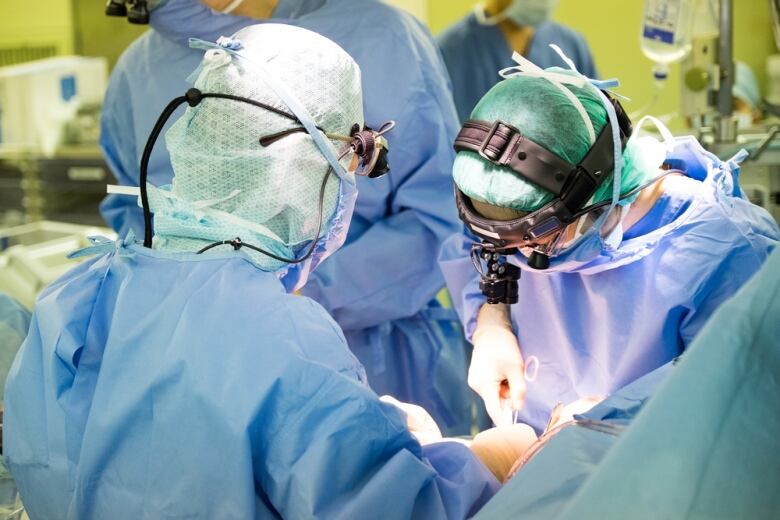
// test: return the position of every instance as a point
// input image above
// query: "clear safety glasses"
(571, 235)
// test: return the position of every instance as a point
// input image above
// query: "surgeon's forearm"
(494, 315)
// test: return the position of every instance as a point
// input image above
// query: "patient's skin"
(498, 448)
(501, 447)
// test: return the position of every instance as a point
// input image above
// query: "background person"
(479, 45)
(695, 427)
(14, 322)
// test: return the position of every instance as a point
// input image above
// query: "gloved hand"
(497, 370)
(418, 420)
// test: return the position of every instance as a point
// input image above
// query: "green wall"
(39, 23)
(610, 26)
(612, 30)
(99, 35)
(72, 26)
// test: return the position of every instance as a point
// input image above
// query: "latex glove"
(497, 370)
(418, 420)
(499, 448)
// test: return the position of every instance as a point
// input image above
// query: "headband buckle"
(495, 152)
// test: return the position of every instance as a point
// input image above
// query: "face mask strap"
(666, 134)
(300, 111)
(232, 6)
(618, 123)
(526, 67)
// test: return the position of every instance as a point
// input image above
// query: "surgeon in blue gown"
(186, 379)
(381, 286)
(698, 449)
(14, 322)
(626, 290)
(479, 45)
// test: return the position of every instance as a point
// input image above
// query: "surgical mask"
(529, 13)
(602, 229)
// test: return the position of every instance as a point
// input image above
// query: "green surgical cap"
(545, 115)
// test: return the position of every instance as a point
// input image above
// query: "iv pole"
(726, 127)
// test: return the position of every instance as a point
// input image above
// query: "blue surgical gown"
(174, 385)
(474, 54)
(704, 445)
(595, 326)
(380, 287)
(14, 322)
